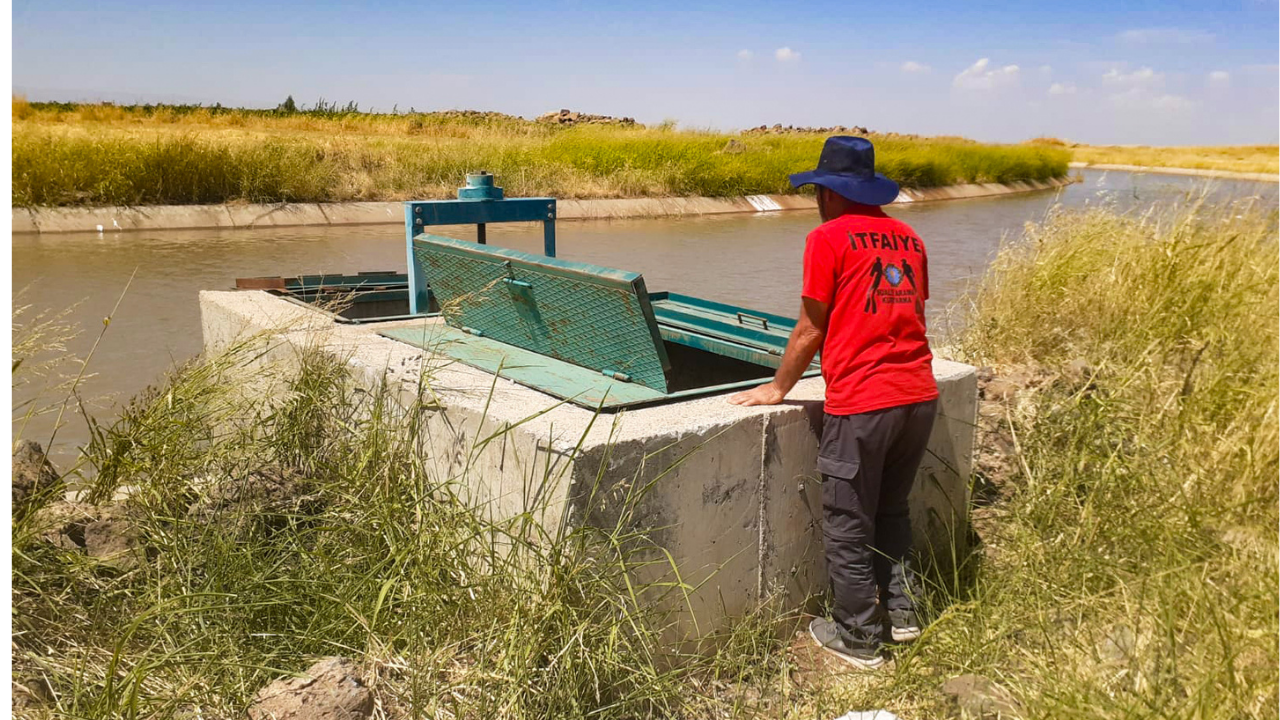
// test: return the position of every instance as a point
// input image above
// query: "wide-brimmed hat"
(847, 166)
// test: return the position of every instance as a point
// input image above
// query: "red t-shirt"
(871, 271)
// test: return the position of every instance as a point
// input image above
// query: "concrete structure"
(730, 494)
(189, 217)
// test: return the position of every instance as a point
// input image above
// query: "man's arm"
(806, 340)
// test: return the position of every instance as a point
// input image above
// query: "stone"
(1079, 369)
(267, 497)
(331, 689)
(63, 523)
(33, 476)
(1118, 646)
(115, 540)
(999, 391)
(980, 698)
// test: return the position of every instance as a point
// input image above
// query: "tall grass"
(105, 155)
(1136, 567)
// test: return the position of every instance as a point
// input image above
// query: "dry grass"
(1233, 158)
(108, 155)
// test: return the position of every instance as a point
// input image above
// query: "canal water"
(747, 260)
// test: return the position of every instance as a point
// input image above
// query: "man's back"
(865, 283)
(872, 271)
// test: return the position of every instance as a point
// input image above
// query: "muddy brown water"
(747, 260)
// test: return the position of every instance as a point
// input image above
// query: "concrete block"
(730, 495)
(24, 221)
(182, 216)
(280, 215)
(792, 565)
(364, 213)
(795, 202)
(75, 219)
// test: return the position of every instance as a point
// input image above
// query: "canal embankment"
(1197, 172)
(250, 216)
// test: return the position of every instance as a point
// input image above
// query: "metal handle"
(744, 317)
(518, 283)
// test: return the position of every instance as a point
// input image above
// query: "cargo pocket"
(838, 453)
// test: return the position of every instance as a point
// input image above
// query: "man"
(865, 282)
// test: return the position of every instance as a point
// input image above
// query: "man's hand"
(767, 394)
(804, 343)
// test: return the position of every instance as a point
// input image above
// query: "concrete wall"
(174, 217)
(731, 494)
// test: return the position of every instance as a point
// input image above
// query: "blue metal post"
(479, 202)
(419, 303)
(549, 231)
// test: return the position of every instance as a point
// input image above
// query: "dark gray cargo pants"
(868, 462)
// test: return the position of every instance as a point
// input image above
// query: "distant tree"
(288, 106)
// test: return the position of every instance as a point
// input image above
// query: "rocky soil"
(570, 117)
(780, 129)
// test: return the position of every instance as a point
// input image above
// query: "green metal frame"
(420, 214)
(589, 334)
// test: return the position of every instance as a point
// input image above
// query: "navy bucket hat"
(847, 167)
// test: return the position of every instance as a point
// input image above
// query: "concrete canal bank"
(1197, 172)
(730, 495)
(175, 217)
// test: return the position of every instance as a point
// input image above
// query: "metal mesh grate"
(589, 316)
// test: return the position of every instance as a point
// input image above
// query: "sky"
(1131, 72)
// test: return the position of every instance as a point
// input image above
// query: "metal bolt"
(551, 215)
(417, 210)
(418, 221)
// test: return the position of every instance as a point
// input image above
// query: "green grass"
(103, 155)
(1127, 569)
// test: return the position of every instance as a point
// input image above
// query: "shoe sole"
(851, 660)
(907, 634)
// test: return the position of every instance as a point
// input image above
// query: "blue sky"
(1102, 72)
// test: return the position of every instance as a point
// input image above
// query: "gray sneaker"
(904, 626)
(827, 634)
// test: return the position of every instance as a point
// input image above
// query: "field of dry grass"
(85, 155)
(1231, 158)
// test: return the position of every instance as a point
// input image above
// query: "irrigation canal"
(747, 260)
